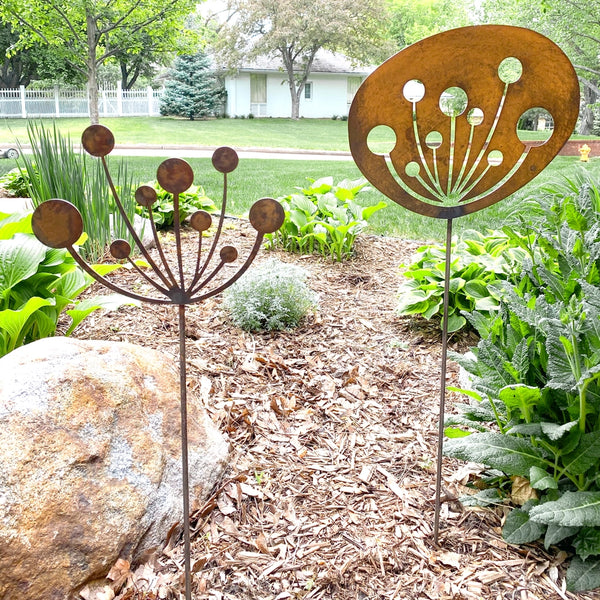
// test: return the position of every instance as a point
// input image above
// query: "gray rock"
(91, 461)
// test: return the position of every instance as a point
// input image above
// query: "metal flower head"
(58, 224)
(453, 101)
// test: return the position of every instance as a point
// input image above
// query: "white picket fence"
(56, 102)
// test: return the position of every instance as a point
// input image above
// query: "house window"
(258, 94)
(352, 88)
(308, 90)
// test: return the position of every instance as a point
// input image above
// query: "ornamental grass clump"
(272, 296)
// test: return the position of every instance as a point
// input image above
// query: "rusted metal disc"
(57, 223)
(120, 249)
(201, 220)
(225, 159)
(228, 254)
(175, 175)
(266, 215)
(98, 140)
(448, 160)
(145, 196)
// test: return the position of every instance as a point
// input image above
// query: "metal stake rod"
(184, 456)
(440, 451)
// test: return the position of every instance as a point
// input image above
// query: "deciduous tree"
(294, 30)
(86, 33)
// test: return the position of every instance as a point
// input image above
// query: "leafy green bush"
(534, 413)
(56, 170)
(271, 296)
(190, 201)
(323, 218)
(478, 262)
(16, 182)
(38, 284)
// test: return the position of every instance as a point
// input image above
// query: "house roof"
(324, 62)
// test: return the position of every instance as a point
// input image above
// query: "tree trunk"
(92, 70)
(586, 125)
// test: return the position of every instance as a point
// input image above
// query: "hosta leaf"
(585, 455)
(583, 575)
(572, 509)
(511, 455)
(88, 306)
(20, 257)
(519, 529)
(455, 322)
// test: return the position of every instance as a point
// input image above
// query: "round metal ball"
(120, 249)
(201, 220)
(98, 140)
(175, 175)
(57, 223)
(228, 254)
(145, 196)
(266, 215)
(225, 159)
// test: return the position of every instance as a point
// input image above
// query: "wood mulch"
(329, 493)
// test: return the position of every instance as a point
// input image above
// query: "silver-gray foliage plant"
(272, 296)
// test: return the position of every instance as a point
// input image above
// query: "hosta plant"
(534, 410)
(478, 263)
(270, 296)
(163, 212)
(38, 285)
(323, 218)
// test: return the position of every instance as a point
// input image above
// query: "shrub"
(323, 218)
(534, 410)
(38, 284)
(16, 182)
(271, 296)
(163, 213)
(477, 263)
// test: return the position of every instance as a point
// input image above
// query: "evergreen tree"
(193, 90)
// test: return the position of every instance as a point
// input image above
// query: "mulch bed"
(333, 427)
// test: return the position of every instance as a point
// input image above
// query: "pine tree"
(193, 90)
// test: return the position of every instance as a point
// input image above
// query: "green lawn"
(257, 178)
(307, 134)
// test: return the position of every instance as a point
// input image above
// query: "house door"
(258, 94)
(352, 88)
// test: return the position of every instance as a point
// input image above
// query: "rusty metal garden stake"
(58, 224)
(452, 103)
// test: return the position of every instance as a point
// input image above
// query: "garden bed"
(333, 426)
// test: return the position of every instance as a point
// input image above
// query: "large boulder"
(90, 461)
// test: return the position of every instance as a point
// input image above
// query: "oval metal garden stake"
(58, 224)
(452, 103)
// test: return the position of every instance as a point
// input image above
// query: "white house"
(261, 88)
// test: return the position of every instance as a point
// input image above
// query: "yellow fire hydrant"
(584, 151)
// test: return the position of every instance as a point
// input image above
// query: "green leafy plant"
(478, 263)
(534, 410)
(323, 218)
(56, 170)
(38, 284)
(271, 296)
(16, 182)
(163, 212)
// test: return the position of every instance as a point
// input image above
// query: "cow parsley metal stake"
(58, 224)
(452, 103)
